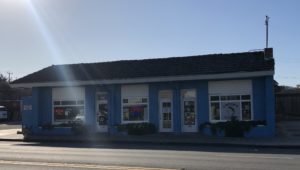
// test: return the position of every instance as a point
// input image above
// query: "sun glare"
(46, 34)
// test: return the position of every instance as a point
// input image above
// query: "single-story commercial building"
(175, 94)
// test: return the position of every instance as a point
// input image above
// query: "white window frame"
(128, 104)
(220, 101)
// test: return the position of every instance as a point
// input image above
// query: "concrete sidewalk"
(10, 135)
(188, 139)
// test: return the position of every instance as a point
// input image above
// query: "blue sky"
(38, 33)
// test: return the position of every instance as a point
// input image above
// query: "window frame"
(219, 101)
(60, 94)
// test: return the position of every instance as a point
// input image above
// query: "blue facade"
(42, 106)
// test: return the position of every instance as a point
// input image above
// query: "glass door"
(101, 112)
(189, 113)
(166, 111)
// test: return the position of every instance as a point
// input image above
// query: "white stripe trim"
(148, 79)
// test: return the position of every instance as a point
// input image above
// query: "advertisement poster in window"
(189, 112)
(102, 115)
(230, 110)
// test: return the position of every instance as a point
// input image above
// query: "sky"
(35, 34)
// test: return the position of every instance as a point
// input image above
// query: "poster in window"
(246, 110)
(69, 113)
(102, 115)
(215, 111)
(189, 112)
(230, 110)
(134, 113)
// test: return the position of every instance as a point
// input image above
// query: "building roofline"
(147, 79)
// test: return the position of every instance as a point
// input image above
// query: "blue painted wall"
(90, 106)
(35, 109)
(202, 102)
(262, 101)
(258, 89)
(153, 102)
(45, 105)
(27, 112)
(270, 104)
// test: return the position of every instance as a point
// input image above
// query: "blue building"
(175, 94)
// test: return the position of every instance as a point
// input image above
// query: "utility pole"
(9, 76)
(267, 30)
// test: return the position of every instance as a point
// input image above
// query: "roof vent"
(268, 53)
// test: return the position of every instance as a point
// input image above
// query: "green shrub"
(232, 128)
(47, 126)
(79, 128)
(137, 128)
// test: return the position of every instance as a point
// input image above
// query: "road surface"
(19, 155)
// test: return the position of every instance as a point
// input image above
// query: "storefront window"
(227, 107)
(135, 109)
(68, 111)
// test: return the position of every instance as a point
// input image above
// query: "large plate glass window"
(135, 109)
(68, 105)
(134, 103)
(228, 107)
(68, 111)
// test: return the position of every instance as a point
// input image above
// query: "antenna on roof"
(267, 30)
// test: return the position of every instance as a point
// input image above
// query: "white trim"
(148, 79)
(240, 101)
(66, 94)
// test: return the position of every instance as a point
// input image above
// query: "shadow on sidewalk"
(165, 146)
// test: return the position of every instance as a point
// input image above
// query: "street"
(19, 155)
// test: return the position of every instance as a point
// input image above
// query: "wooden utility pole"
(9, 76)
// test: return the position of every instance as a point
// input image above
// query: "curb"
(12, 140)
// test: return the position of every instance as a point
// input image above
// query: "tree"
(5, 89)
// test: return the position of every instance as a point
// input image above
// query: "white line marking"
(256, 156)
(72, 165)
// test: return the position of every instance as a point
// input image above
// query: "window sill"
(127, 122)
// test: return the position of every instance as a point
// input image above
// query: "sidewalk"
(10, 135)
(188, 139)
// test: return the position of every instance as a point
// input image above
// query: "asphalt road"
(18, 155)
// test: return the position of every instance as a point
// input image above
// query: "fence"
(288, 106)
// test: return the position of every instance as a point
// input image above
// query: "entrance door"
(165, 111)
(189, 116)
(101, 112)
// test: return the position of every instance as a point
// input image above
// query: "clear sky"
(37, 33)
